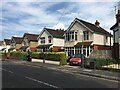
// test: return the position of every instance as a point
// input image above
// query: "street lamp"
(82, 62)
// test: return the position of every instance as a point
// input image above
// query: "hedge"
(54, 56)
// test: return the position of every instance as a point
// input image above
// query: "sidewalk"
(73, 69)
(77, 69)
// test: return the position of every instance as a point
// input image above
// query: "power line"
(63, 14)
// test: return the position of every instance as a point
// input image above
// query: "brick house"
(116, 36)
(84, 37)
(50, 40)
(15, 44)
(29, 42)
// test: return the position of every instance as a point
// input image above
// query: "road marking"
(6, 70)
(43, 82)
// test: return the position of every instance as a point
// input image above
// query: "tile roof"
(18, 40)
(24, 47)
(56, 33)
(7, 41)
(31, 37)
(94, 28)
(83, 43)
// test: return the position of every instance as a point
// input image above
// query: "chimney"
(97, 23)
(118, 14)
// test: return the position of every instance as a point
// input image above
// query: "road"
(16, 75)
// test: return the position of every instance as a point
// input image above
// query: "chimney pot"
(97, 23)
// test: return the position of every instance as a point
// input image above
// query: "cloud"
(32, 16)
(59, 26)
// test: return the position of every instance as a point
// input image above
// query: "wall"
(17, 47)
(58, 42)
(101, 54)
(98, 39)
(33, 44)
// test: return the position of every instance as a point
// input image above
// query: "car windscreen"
(77, 56)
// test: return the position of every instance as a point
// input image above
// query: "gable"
(78, 26)
(45, 34)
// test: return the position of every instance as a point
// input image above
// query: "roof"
(83, 43)
(56, 33)
(24, 47)
(116, 24)
(31, 37)
(44, 46)
(7, 41)
(18, 40)
(93, 27)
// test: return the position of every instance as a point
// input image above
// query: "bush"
(99, 62)
(17, 55)
(54, 56)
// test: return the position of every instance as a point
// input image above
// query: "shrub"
(54, 56)
(99, 62)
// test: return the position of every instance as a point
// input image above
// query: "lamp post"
(82, 62)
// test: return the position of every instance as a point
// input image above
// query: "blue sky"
(32, 16)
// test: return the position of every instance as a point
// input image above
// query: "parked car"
(29, 57)
(76, 59)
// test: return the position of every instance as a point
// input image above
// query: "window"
(75, 36)
(71, 36)
(42, 40)
(85, 35)
(49, 39)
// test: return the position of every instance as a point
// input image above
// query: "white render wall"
(45, 34)
(58, 42)
(101, 39)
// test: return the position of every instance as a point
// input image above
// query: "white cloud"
(59, 26)
(33, 16)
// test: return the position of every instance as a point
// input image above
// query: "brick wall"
(101, 47)
(56, 48)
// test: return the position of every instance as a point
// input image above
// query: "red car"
(76, 59)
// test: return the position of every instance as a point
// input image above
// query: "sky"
(31, 16)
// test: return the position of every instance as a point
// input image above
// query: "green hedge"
(54, 56)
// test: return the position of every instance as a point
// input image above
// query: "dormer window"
(49, 39)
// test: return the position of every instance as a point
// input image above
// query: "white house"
(50, 39)
(84, 37)
(6, 45)
(1, 46)
(116, 35)
(15, 44)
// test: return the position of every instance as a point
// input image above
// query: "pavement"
(72, 69)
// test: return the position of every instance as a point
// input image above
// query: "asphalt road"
(15, 75)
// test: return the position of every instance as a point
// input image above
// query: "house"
(15, 44)
(116, 36)
(84, 37)
(50, 40)
(29, 42)
(6, 45)
(1, 46)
